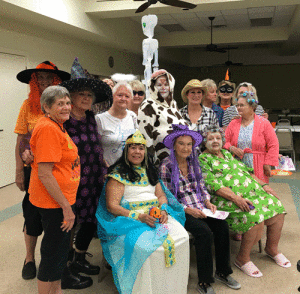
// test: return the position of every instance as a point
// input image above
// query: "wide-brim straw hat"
(81, 79)
(191, 85)
(25, 75)
(181, 130)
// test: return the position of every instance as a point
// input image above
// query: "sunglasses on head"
(140, 93)
(226, 89)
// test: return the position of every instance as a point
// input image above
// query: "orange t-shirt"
(50, 144)
(26, 120)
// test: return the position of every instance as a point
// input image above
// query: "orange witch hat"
(227, 76)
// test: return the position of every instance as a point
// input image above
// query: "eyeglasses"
(140, 93)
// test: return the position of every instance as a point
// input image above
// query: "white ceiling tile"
(261, 12)
(219, 20)
(285, 9)
(235, 12)
(208, 13)
(167, 21)
(192, 28)
(232, 19)
(191, 21)
(184, 15)
(164, 16)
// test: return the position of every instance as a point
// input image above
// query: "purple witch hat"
(183, 130)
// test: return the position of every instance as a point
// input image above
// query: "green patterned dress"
(231, 173)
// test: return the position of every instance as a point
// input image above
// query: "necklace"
(62, 128)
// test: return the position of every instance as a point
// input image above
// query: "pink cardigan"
(265, 146)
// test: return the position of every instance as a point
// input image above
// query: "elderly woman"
(251, 203)
(39, 78)
(252, 138)
(82, 129)
(147, 255)
(116, 124)
(195, 115)
(158, 112)
(210, 98)
(53, 185)
(138, 90)
(225, 94)
(181, 174)
(232, 112)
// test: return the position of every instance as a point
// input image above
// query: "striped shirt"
(232, 112)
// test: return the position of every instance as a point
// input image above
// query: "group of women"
(150, 154)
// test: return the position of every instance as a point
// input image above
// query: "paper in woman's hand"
(218, 214)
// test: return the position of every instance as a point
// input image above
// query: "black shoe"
(29, 270)
(81, 265)
(71, 280)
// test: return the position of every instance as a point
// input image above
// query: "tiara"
(137, 138)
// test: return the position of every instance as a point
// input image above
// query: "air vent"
(261, 22)
(173, 28)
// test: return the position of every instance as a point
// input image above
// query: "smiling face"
(194, 96)
(225, 93)
(45, 79)
(214, 142)
(211, 95)
(243, 107)
(162, 86)
(122, 97)
(136, 153)
(60, 109)
(82, 100)
(183, 146)
(138, 96)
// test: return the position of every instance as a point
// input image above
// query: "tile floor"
(276, 280)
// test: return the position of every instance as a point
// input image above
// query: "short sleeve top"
(49, 143)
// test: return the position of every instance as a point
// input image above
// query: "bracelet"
(134, 214)
(264, 185)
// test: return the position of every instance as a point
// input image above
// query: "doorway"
(12, 95)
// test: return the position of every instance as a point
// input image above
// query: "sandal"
(281, 260)
(249, 268)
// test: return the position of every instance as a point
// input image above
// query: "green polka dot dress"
(231, 173)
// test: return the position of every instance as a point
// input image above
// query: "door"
(12, 95)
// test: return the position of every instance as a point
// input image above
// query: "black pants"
(54, 247)
(32, 217)
(206, 231)
(84, 236)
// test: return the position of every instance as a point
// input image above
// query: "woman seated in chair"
(251, 202)
(147, 255)
(181, 174)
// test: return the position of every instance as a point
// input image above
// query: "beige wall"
(274, 83)
(62, 52)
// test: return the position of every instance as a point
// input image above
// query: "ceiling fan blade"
(178, 3)
(221, 50)
(143, 7)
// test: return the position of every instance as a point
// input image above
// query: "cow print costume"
(156, 116)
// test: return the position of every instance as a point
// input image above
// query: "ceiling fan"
(176, 3)
(213, 47)
(228, 63)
